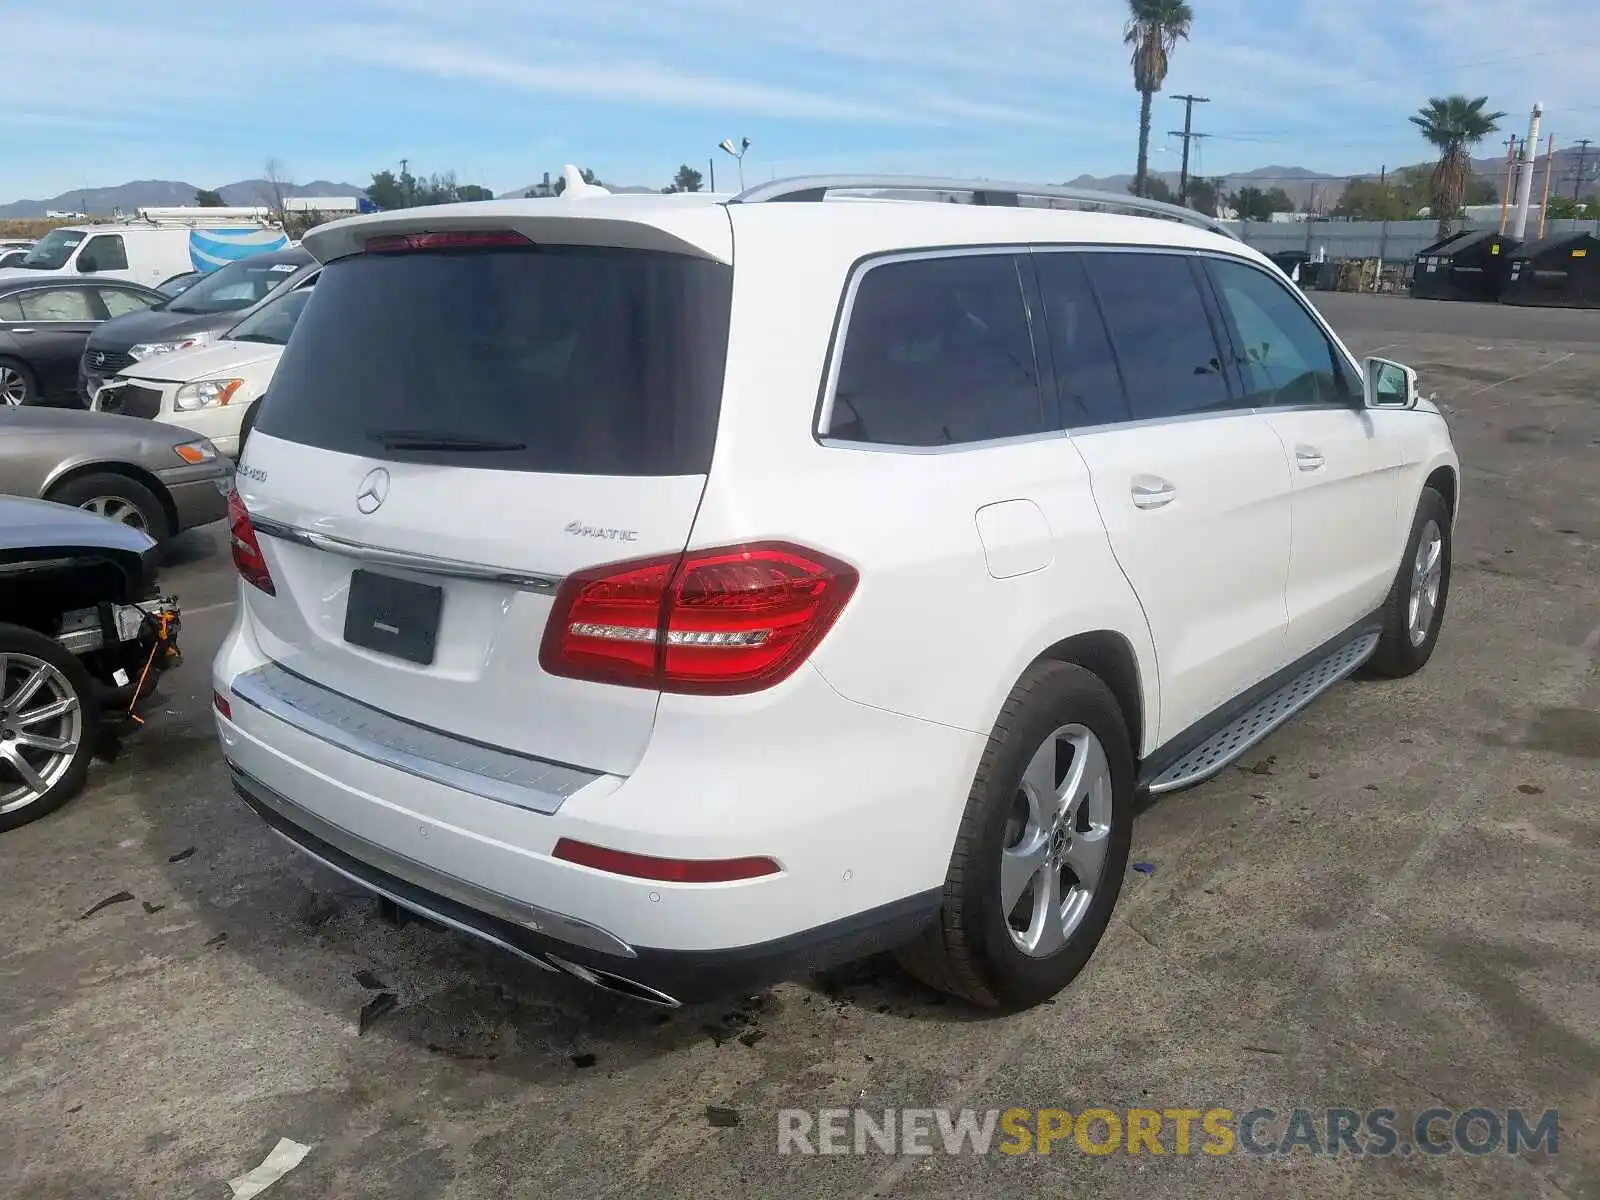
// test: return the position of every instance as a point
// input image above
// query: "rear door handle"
(1153, 493)
(21, 331)
(1307, 458)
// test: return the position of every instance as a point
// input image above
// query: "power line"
(1187, 135)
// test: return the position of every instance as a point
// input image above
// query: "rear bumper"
(683, 975)
(858, 806)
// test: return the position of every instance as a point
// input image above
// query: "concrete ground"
(1395, 904)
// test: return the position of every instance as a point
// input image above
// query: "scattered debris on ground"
(283, 1158)
(119, 898)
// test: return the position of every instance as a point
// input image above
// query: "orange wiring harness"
(163, 622)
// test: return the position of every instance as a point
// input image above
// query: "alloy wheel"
(117, 509)
(1056, 840)
(13, 389)
(41, 726)
(1427, 577)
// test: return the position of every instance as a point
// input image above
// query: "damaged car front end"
(85, 634)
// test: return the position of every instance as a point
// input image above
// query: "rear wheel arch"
(128, 471)
(1111, 657)
(1444, 481)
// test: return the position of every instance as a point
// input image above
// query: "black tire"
(970, 952)
(84, 490)
(19, 370)
(19, 648)
(1398, 655)
(246, 425)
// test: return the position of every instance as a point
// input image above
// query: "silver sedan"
(158, 478)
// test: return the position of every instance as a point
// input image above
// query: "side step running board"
(1263, 717)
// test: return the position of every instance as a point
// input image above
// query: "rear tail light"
(667, 870)
(220, 703)
(710, 622)
(247, 556)
(461, 239)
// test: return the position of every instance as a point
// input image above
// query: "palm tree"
(1455, 124)
(1153, 30)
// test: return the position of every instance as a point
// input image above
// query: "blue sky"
(96, 93)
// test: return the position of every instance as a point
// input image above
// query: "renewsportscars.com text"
(1375, 1133)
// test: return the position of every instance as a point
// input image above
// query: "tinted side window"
(105, 252)
(937, 352)
(1161, 332)
(1087, 381)
(10, 309)
(1283, 355)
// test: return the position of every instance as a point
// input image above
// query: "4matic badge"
(579, 529)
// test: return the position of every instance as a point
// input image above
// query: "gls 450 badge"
(579, 529)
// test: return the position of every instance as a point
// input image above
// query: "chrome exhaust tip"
(620, 985)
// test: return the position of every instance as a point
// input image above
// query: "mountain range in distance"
(1306, 187)
(1303, 186)
(154, 193)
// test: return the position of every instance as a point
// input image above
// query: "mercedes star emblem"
(374, 490)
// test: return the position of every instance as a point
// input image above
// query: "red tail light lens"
(247, 556)
(712, 622)
(461, 239)
(667, 870)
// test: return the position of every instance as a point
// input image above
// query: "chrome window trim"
(427, 564)
(402, 745)
(1021, 439)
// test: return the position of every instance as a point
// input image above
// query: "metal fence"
(1391, 241)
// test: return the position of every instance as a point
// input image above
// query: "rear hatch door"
(451, 430)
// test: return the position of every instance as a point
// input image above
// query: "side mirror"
(87, 266)
(1390, 384)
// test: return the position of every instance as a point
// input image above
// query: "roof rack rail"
(983, 191)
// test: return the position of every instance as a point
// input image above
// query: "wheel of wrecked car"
(48, 725)
(16, 383)
(117, 498)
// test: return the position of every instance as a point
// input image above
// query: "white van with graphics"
(157, 245)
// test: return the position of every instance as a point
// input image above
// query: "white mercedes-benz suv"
(685, 592)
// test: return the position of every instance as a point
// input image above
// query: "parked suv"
(685, 592)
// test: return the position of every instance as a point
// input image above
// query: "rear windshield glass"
(571, 360)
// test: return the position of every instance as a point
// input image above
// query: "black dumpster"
(1471, 265)
(1559, 271)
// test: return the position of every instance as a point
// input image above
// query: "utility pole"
(1188, 124)
(1577, 177)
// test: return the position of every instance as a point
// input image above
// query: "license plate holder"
(393, 616)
